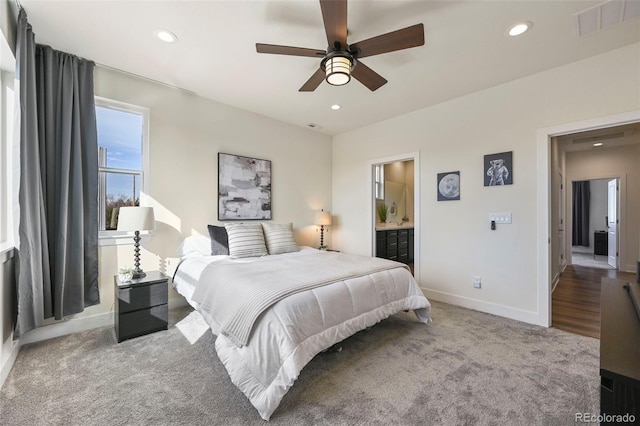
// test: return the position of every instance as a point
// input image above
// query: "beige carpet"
(466, 368)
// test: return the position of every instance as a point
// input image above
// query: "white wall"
(455, 240)
(186, 134)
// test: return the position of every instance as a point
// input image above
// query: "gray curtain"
(57, 252)
(581, 206)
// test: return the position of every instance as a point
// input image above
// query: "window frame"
(379, 182)
(8, 160)
(111, 237)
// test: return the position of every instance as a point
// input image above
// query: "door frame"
(617, 223)
(415, 156)
(543, 197)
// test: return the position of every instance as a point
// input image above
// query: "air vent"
(598, 138)
(606, 15)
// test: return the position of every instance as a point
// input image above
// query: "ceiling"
(465, 50)
(600, 139)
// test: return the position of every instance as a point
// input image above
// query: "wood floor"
(576, 299)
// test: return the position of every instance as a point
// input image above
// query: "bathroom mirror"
(395, 197)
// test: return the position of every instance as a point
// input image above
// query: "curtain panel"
(57, 253)
(581, 206)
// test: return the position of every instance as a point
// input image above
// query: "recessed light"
(335, 107)
(520, 28)
(166, 36)
(598, 144)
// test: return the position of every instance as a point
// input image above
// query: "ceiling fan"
(341, 61)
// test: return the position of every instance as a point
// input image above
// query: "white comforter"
(290, 333)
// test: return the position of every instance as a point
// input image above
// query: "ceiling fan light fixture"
(338, 70)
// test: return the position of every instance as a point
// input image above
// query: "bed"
(264, 352)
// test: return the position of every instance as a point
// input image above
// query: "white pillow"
(245, 240)
(195, 245)
(279, 238)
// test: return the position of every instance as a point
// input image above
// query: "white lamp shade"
(136, 219)
(323, 218)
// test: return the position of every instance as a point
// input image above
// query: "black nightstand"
(600, 243)
(141, 305)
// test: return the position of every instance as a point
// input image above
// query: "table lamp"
(322, 219)
(136, 219)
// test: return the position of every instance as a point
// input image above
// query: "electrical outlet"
(476, 282)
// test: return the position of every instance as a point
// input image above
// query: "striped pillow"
(279, 238)
(245, 240)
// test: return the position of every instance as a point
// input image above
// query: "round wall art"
(449, 186)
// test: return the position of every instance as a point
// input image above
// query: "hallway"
(576, 299)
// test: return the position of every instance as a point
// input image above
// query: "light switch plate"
(500, 217)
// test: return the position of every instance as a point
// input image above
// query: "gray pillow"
(219, 240)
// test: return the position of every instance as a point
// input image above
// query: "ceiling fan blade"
(396, 40)
(334, 15)
(288, 50)
(368, 77)
(313, 83)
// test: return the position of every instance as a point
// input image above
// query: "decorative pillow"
(279, 238)
(245, 240)
(219, 240)
(195, 245)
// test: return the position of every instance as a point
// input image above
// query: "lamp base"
(140, 274)
(137, 271)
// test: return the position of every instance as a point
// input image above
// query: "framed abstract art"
(244, 188)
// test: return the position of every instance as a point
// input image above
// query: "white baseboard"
(554, 282)
(629, 268)
(490, 308)
(8, 363)
(71, 326)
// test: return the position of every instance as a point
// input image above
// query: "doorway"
(615, 245)
(395, 192)
(593, 205)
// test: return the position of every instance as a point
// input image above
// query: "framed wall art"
(244, 188)
(449, 186)
(498, 169)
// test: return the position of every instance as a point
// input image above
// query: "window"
(122, 138)
(7, 159)
(379, 185)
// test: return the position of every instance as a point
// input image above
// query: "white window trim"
(379, 182)
(110, 238)
(8, 157)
